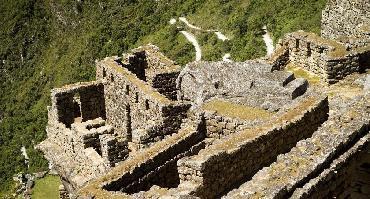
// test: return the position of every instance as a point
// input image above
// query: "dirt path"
(190, 37)
(268, 41)
(227, 57)
(25, 155)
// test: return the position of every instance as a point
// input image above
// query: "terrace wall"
(310, 157)
(347, 177)
(227, 163)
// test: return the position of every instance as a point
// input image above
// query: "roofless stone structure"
(148, 128)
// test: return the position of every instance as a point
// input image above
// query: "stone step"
(297, 87)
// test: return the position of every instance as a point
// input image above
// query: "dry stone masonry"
(148, 128)
(342, 49)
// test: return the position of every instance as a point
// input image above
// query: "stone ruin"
(148, 128)
(342, 49)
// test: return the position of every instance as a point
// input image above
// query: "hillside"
(50, 43)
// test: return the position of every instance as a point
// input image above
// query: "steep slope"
(49, 43)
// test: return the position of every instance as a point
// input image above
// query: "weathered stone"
(149, 129)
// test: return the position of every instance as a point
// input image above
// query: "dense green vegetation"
(46, 188)
(49, 43)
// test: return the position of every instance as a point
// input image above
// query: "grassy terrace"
(233, 110)
(249, 134)
(46, 188)
(302, 73)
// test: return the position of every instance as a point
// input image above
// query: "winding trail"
(26, 158)
(227, 58)
(193, 40)
(183, 19)
(221, 36)
(268, 41)
(190, 37)
(172, 21)
(218, 33)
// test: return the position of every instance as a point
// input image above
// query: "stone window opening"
(127, 89)
(104, 72)
(364, 62)
(96, 145)
(97, 148)
(217, 85)
(309, 51)
(77, 108)
(112, 78)
(147, 105)
(128, 123)
(297, 44)
(136, 97)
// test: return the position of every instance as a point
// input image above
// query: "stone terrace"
(311, 156)
(148, 128)
(226, 134)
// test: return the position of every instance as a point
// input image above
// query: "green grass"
(46, 188)
(233, 110)
(302, 73)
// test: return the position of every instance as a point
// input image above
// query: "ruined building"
(147, 128)
(343, 47)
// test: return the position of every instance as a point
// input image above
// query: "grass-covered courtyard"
(46, 188)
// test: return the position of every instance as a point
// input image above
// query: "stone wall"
(343, 48)
(150, 65)
(165, 83)
(347, 177)
(99, 136)
(328, 59)
(83, 152)
(228, 162)
(220, 126)
(311, 156)
(346, 18)
(153, 166)
(84, 100)
(135, 109)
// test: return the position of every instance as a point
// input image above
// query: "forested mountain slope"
(49, 43)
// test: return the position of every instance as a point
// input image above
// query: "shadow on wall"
(364, 61)
(81, 104)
